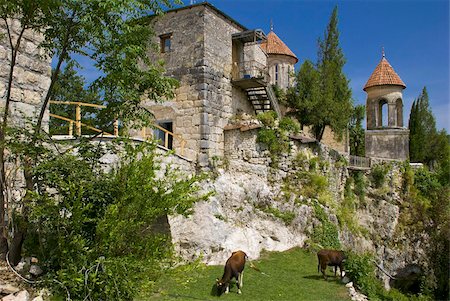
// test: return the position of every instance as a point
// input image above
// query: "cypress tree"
(322, 96)
(335, 100)
(422, 130)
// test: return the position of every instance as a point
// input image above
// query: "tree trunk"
(15, 250)
(3, 246)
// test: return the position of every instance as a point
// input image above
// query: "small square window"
(166, 42)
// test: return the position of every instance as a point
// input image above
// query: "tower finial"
(271, 24)
(382, 52)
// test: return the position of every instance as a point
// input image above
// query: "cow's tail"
(254, 267)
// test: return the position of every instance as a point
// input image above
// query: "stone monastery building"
(225, 70)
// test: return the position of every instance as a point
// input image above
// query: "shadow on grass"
(186, 297)
(320, 277)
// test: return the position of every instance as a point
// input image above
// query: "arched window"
(276, 74)
(289, 76)
(382, 120)
(399, 112)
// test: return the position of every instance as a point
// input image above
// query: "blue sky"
(414, 34)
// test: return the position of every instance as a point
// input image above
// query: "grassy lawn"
(290, 275)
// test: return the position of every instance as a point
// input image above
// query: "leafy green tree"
(322, 96)
(107, 33)
(305, 95)
(357, 133)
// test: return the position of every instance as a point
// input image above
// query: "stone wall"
(201, 59)
(387, 143)
(330, 140)
(31, 77)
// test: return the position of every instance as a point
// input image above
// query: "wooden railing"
(143, 133)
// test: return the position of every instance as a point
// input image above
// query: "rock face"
(230, 221)
(251, 200)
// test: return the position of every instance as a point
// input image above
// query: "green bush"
(289, 125)
(267, 118)
(361, 270)
(95, 231)
(378, 175)
(326, 234)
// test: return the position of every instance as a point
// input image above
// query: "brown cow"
(234, 268)
(330, 258)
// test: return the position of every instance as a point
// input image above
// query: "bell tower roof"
(274, 45)
(384, 74)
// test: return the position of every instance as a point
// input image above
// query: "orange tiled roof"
(275, 46)
(384, 74)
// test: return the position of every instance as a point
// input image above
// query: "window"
(166, 42)
(276, 74)
(289, 77)
(165, 139)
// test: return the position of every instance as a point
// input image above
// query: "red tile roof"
(274, 45)
(384, 74)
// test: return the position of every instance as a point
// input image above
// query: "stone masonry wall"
(31, 77)
(218, 64)
(184, 62)
(200, 59)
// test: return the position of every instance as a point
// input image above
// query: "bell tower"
(386, 137)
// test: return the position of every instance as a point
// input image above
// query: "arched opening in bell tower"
(399, 112)
(382, 120)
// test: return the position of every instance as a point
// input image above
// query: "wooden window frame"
(163, 38)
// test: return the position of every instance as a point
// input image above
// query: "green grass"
(290, 275)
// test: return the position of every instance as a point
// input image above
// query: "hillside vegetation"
(290, 275)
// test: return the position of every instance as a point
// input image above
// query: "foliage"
(71, 87)
(322, 96)
(305, 95)
(99, 232)
(426, 207)
(267, 118)
(286, 216)
(289, 125)
(360, 185)
(422, 129)
(275, 133)
(280, 94)
(326, 234)
(378, 175)
(356, 131)
(361, 269)
(107, 33)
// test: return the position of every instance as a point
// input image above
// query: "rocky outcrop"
(252, 209)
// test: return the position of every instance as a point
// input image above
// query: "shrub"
(289, 125)
(361, 270)
(96, 231)
(326, 234)
(378, 175)
(267, 118)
